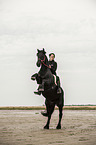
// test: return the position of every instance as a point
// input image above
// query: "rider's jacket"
(53, 66)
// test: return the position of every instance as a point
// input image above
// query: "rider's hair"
(51, 54)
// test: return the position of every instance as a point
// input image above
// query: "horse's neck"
(43, 70)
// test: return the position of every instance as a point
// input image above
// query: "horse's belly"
(50, 94)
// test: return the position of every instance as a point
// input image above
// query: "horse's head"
(41, 57)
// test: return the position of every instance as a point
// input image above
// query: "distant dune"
(67, 107)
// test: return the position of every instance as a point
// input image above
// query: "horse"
(46, 78)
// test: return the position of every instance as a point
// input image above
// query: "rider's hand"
(49, 66)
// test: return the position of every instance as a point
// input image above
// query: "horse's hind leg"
(60, 117)
(50, 109)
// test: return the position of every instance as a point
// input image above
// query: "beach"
(25, 127)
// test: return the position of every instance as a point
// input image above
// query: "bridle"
(42, 61)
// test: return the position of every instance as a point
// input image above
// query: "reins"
(43, 61)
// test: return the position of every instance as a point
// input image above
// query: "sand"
(25, 127)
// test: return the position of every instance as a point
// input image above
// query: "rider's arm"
(54, 67)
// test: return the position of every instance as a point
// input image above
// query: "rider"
(53, 67)
(52, 63)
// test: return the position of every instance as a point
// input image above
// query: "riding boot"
(58, 88)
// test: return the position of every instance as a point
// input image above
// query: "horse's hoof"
(44, 113)
(46, 127)
(33, 78)
(37, 93)
(58, 127)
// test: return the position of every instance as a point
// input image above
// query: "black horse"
(46, 78)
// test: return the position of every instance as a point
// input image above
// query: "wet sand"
(25, 127)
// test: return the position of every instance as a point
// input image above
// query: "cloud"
(67, 28)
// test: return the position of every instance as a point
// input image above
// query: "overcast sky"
(65, 27)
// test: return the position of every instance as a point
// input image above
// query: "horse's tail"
(62, 95)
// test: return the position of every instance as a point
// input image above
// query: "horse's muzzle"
(38, 64)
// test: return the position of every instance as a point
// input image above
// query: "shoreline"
(66, 107)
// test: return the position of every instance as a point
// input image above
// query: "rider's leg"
(58, 86)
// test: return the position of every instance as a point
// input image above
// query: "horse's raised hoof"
(37, 93)
(58, 127)
(44, 113)
(46, 127)
(33, 78)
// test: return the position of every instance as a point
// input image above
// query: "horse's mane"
(46, 60)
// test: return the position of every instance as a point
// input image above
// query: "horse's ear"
(44, 51)
(38, 50)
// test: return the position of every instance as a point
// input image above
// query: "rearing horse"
(45, 77)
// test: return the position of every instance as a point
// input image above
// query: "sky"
(65, 27)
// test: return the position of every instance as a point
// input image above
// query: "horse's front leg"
(48, 122)
(50, 110)
(37, 78)
(60, 117)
